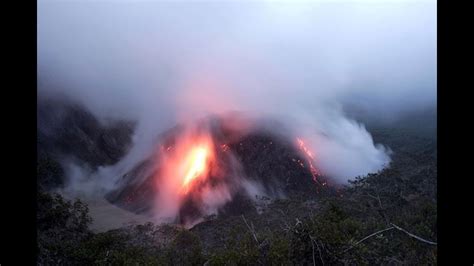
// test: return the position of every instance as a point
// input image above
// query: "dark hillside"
(68, 131)
(382, 218)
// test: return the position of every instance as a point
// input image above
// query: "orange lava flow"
(185, 165)
(197, 165)
(310, 159)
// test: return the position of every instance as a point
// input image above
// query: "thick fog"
(302, 62)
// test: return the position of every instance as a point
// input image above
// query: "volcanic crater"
(253, 164)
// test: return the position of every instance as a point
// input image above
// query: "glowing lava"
(185, 166)
(189, 177)
(310, 159)
(197, 166)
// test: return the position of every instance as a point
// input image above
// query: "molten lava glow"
(189, 172)
(304, 149)
(197, 166)
(186, 164)
(310, 158)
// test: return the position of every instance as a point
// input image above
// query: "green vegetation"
(49, 171)
(331, 235)
(62, 226)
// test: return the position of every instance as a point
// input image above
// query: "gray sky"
(133, 54)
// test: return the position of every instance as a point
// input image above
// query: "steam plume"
(164, 63)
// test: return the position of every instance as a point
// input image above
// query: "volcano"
(221, 166)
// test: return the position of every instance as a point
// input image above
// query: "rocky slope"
(272, 162)
(68, 131)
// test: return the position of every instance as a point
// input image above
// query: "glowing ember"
(224, 147)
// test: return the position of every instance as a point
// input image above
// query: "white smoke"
(164, 63)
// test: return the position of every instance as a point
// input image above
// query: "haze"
(302, 62)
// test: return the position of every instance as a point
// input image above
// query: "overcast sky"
(139, 54)
(162, 62)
